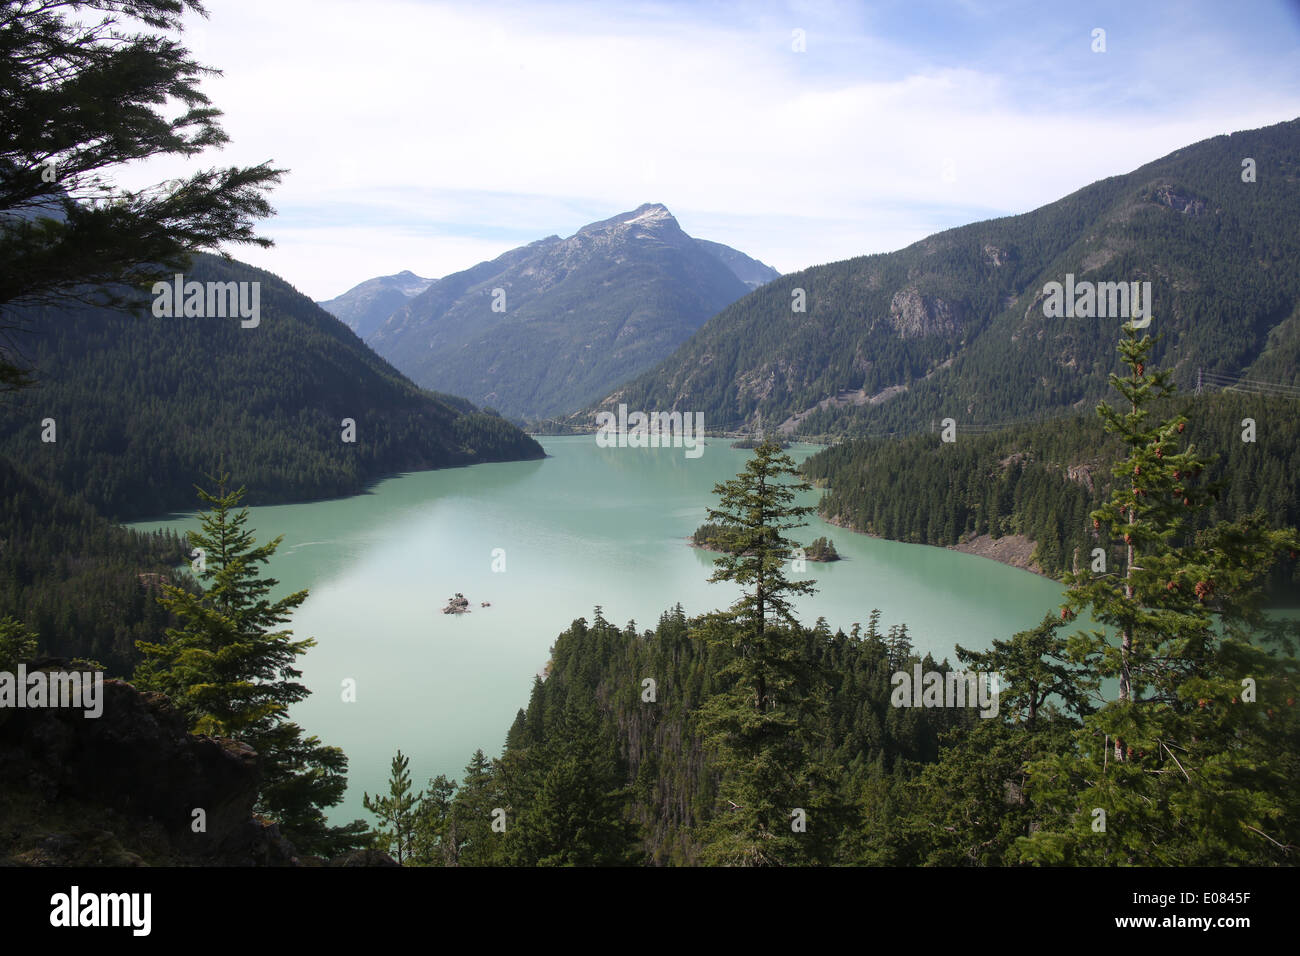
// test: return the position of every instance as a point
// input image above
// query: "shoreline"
(1012, 550)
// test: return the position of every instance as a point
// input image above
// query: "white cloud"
(505, 124)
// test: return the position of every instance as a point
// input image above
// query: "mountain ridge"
(548, 326)
(142, 407)
(367, 305)
(953, 325)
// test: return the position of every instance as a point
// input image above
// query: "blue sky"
(431, 136)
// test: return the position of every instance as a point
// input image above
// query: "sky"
(431, 136)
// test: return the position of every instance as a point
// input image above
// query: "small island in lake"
(821, 549)
(713, 537)
(457, 605)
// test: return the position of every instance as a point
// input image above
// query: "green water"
(586, 526)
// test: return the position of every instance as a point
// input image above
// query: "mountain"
(366, 306)
(572, 318)
(141, 407)
(749, 271)
(955, 325)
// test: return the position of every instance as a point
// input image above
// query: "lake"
(586, 526)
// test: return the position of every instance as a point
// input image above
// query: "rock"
(132, 774)
(457, 605)
(914, 315)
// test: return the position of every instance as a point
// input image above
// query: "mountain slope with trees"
(954, 325)
(143, 407)
(85, 587)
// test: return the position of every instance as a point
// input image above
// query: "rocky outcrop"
(994, 256)
(124, 788)
(1013, 549)
(1178, 200)
(1080, 473)
(915, 315)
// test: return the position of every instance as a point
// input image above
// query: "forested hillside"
(85, 586)
(954, 325)
(1043, 481)
(144, 407)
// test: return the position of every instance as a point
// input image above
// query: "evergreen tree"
(434, 842)
(17, 643)
(756, 508)
(755, 724)
(397, 812)
(572, 795)
(899, 645)
(477, 827)
(82, 95)
(1177, 769)
(228, 666)
(1033, 668)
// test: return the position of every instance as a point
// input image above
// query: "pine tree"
(17, 643)
(1176, 770)
(572, 791)
(1033, 668)
(479, 815)
(396, 812)
(434, 842)
(229, 668)
(83, 95)
(756, 507)
(226, 666)
(755, 726)
(899, 645)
